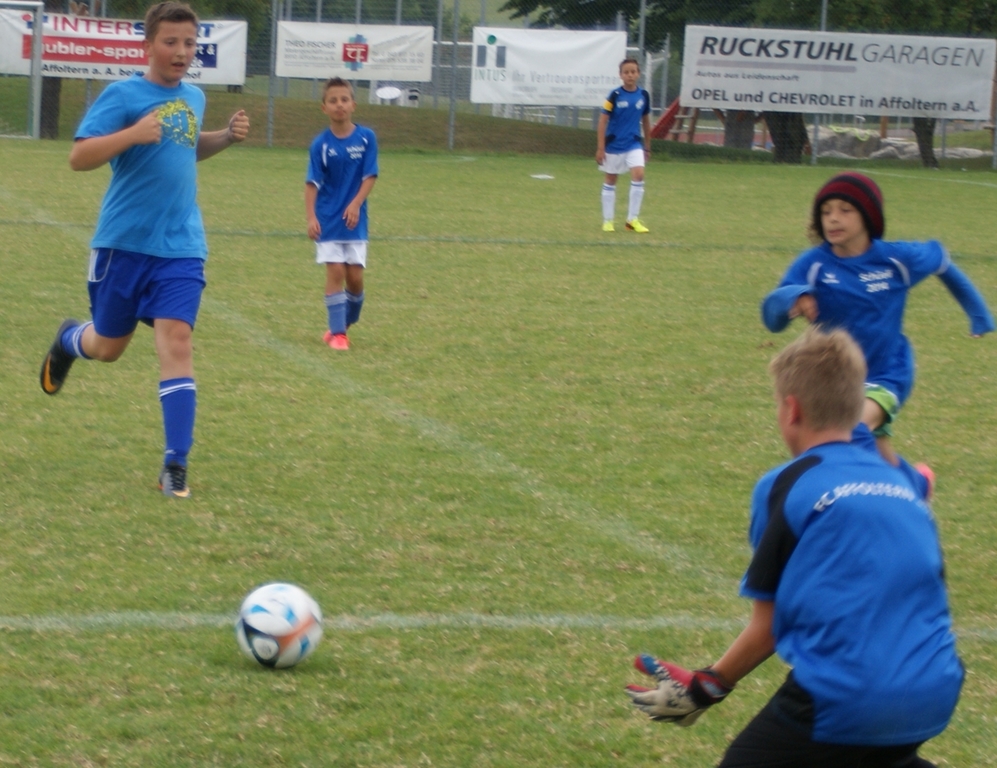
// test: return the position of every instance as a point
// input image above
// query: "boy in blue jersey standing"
(624, 144)
(149, 248)
(342, 169)
(847, 586)
(857, 281)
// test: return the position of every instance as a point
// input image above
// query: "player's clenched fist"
(681, 695)
(148, 130)
(238, 126)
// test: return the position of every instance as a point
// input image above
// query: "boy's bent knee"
(104, 348)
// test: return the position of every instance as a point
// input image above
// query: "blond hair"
(825, 371)
(167, 11)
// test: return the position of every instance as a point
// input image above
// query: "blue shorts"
(126, 287)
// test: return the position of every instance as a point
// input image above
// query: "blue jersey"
(626, 110)
(338, 167)
(866, 295)
(151, 203)
(849, 553)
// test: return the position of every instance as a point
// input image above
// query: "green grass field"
(534, 463)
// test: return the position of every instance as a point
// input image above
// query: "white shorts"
(342, 252)
(617, 164)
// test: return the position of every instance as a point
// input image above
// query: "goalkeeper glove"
(682, 695)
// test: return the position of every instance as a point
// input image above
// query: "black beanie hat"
(860, 191)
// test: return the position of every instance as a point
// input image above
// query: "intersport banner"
(779, 70)
(92, 48)
(354, 51)
(545, 66)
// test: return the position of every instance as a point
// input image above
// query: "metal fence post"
(815, 144)
(453, 76)
(664, 72)
(437, 54)
(271, 94)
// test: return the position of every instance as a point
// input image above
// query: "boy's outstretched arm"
(210, 143)
(682, 695)
(755, 644)
(785, 303)
(972, 303)
(93, 152)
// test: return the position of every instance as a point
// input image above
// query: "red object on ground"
(661, 128)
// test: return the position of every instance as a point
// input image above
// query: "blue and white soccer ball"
(278, 625)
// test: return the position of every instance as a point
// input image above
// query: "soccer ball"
(278, 625)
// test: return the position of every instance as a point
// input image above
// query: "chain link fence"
(654, 28)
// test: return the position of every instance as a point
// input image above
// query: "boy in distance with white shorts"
(624, 144)
(342, 169)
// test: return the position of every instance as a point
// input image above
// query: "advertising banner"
(866, 74)
(354, 51)
(545, 66)
(93, 48)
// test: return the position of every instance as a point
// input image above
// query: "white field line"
(183, 621)
(556, 501)
(907, 177)
(176, 621)
(553, 500)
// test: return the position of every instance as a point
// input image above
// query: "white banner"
(792, 71)
(354, 51)
(545, 66)
(111, 49)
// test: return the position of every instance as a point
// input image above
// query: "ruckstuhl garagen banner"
(545, 66)
(354, 51)
(792, 71)
(92, 48)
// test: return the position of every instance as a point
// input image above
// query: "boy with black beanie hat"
(855, 280)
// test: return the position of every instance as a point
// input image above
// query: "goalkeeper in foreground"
(847, 587)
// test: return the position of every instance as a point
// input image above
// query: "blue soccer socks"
(72, 340)
(354, 303)
(179, 400)
(336, 304)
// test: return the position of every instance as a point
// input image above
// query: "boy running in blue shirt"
(342, 169)
(847, 587)
(857, 281)
(147, 262)
(623, 145)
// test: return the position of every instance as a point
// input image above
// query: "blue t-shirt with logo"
(151, 203)
(849, 553)
(337, 167)
(626, 110)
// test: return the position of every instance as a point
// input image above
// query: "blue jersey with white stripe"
(626, 110)
(849, 553)
(337, 167)
(866, 295)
